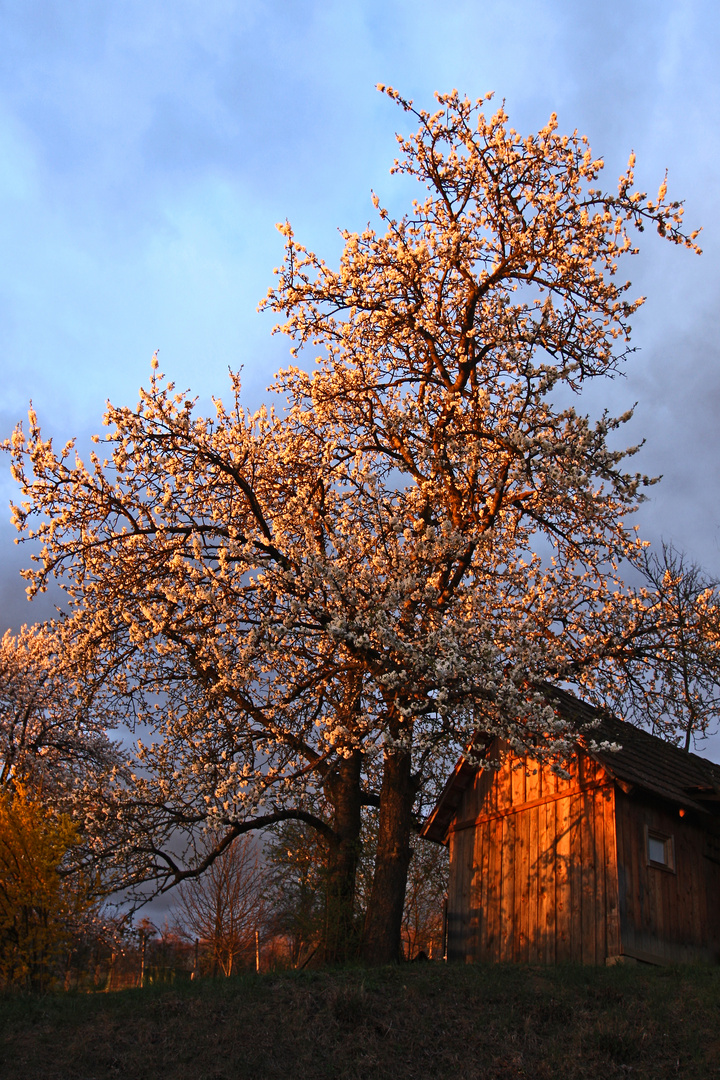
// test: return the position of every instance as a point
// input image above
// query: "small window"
(660, 849)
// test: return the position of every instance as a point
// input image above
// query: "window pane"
(656, 850)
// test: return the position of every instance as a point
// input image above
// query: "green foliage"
(40, 905)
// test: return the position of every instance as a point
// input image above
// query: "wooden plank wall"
(672, 916)
(533, 867)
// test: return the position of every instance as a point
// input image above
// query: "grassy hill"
(415, 1022)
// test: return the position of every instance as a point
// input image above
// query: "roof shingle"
(643, 759)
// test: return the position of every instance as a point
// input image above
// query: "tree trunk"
(383, 923)
(342, 789)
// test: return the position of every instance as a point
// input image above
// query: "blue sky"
(148, 148)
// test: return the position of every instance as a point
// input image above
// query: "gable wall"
(533, 867)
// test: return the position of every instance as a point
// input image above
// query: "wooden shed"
(622, 859)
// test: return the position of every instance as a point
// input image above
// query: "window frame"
(668, 842)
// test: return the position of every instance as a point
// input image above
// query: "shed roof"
(643, 760)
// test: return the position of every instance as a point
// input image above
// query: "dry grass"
(414, 1022)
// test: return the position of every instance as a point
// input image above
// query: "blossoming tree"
(344, 593)
(48, 739)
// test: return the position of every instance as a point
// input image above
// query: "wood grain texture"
(554, 869)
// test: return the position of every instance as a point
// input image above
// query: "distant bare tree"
(223, 908)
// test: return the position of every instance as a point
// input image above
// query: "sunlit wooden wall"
(534, 867)
(552, 870)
